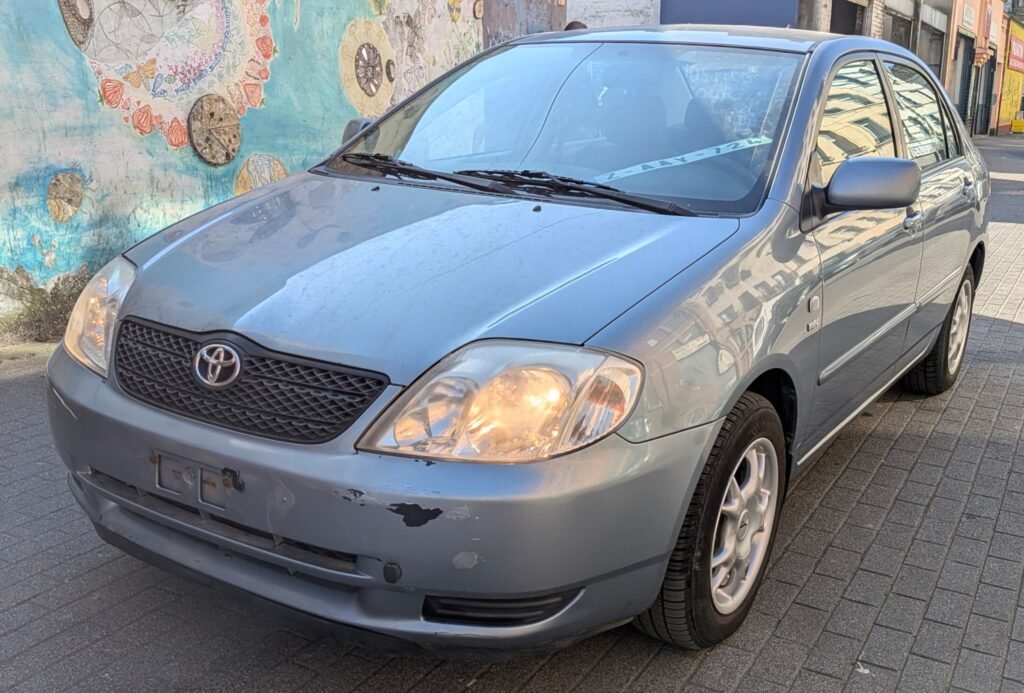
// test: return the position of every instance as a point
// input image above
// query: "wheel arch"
(977, 261)
(776, 384)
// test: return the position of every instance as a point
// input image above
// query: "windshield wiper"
(385, 163)
(556, 184)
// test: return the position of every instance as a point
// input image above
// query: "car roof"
(792, 40)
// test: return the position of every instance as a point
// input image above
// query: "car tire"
(939, 370)
(687, 611)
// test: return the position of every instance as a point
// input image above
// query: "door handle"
(912, 222)
(968, 186)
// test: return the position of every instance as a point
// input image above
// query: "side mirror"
(354, 127)
(872, 182)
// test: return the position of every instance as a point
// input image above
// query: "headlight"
(507, 402)
(91, 326)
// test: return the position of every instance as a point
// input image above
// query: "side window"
(921, 115)
(856, 121)
(952, 143)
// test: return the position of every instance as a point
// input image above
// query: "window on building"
(846, 18)
(897, 29)
(930, 44)
(856, 121)
(920, 114)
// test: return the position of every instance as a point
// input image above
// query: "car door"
(870, 259)
(949, 194)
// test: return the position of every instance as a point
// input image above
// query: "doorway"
(983, 99)
(964, 66)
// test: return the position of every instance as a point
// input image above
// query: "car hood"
(392, 277)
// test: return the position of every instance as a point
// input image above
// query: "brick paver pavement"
(899, 561)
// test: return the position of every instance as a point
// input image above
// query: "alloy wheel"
(960, 326)
(746, 520)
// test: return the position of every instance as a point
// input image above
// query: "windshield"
(697, 125)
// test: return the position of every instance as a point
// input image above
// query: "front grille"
(494, 612)
(276, 396)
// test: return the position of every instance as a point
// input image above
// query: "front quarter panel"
(704, 336)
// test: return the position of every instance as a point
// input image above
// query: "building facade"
(923, 27)
(862, 17)
(974, 62)
(962, 41)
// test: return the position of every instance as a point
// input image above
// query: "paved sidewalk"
(899, 562)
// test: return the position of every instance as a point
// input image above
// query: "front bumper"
(361, 539)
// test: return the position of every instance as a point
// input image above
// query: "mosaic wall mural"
(119, 117)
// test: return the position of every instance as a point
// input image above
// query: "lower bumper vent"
(494, 612)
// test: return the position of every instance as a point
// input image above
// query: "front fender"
(740, 311)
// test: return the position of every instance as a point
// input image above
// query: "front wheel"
(727, 536)
(939, 370)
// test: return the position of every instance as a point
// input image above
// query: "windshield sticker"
(684, 159)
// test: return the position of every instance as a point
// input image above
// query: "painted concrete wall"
(605, 13)
(119, 117)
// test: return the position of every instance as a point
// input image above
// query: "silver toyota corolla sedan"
(538, 352)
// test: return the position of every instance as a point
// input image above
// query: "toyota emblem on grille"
(217, 365)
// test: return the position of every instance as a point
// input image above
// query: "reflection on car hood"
(392, 277)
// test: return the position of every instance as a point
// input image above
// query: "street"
(899, 560)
